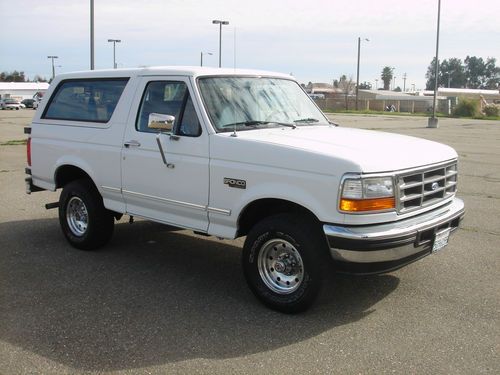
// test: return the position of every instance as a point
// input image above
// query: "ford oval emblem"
(434, 186)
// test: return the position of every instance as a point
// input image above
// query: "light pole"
(404, 82)
(433, 121)
(53, 67)
(91, 34)
(220, 23)
(357, 75)
(114, 41)
(201, 56)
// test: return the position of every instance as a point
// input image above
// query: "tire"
(284, 260)
(85, 222)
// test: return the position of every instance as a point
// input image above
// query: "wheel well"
(262, 208)
(67, 173)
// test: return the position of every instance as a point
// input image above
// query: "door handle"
(132, 143)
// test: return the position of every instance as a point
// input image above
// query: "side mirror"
(161, 122)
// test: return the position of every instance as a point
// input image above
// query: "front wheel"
(85, 222)
(284, 257)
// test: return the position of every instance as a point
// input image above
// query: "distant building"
(22, 90)
(491, 96)
(325, 89)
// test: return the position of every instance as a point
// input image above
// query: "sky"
(314, 40)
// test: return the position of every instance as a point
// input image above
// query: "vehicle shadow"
(154, 295)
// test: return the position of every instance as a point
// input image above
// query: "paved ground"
(158, 300)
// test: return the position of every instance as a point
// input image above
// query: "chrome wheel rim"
(77, 216)
(280, 266)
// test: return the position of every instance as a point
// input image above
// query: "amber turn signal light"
(358, 205)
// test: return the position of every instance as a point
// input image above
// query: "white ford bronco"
(233, 153)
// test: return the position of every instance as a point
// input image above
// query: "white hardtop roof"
(193, 71)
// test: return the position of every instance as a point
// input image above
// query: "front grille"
(425, 187)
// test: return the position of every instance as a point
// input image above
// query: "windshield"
(251, 102)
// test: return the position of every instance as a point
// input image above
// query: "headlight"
(367, 194)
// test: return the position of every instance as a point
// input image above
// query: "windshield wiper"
(256, 123)
(307, 120)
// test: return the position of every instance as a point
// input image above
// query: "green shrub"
(466, 108)
(491, 110)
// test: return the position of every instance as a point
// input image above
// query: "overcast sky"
(315, 40)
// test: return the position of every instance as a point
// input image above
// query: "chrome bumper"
(383, 247)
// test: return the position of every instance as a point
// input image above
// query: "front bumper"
(385, 247)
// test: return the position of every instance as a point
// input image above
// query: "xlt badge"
(235, 183)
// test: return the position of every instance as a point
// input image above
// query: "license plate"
(441, 239)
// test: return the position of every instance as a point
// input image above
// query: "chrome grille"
(425, 187)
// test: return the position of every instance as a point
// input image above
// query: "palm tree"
(387, 74)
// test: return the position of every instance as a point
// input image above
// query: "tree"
(14, 76)
(347, 86)
(365, 86)
(387, 74)
(492, 79)
(39, 79)
(473, 73)
(397, 89)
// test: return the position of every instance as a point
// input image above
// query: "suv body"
(233, 153)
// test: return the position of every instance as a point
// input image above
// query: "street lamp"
(220, 23)
(114, 41)
(201, 56)
(433, 121)
(53, 67)
(357, 75)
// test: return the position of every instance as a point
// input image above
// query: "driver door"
(175, 192)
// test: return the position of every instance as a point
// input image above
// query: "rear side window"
(92, 100)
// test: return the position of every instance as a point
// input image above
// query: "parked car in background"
(10, 104)
(28, 102)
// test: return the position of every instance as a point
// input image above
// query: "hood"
(372, 151)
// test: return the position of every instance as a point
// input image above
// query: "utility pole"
(53, 67)
(357, 74)
(220, 23)
(91, 34)
(201, 56)
(433, 121)
(114, 41)
(404, 82)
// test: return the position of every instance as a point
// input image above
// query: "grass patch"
(16, 142)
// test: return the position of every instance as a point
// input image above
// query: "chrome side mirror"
(161, 122)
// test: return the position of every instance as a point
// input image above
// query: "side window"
(189, 124)
(169, 98)
(92, 100)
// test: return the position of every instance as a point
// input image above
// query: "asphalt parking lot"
(161, 300)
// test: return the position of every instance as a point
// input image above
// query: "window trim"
(182, 109)
(60, 84)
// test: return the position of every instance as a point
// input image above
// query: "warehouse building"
(22, 90)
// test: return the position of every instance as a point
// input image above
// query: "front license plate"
(441, 239)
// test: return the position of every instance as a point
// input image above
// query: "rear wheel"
(85, 222)
(284, 257)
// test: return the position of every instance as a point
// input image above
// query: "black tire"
(279, 239)
(85, 222)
